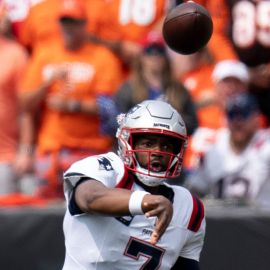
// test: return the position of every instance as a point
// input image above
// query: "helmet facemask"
(154, 172)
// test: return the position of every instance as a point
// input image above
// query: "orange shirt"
(97, 15)
(210, 117)
(41, 26)
(109, 19)
(201, 86)
(219, 44)
(13, 60)
(131, 20)
(92, 70)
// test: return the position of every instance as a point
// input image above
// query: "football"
(187, 28)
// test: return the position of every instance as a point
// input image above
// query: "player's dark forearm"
(93, 197)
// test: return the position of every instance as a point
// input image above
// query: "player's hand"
(160, 207)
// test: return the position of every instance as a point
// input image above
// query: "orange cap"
(72, 9)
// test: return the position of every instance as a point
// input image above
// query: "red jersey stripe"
(126, 181)
(197, 215)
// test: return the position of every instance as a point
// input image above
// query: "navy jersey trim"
(72, 205)
(66, 175)
(197, 215)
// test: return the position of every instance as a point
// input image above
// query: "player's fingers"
(161, 225)
(152, 213)
(157, 233)
(150, 203)
(153, 202)
(154, 238)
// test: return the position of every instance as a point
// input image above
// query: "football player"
(121, 214)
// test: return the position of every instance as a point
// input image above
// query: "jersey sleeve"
(196, 232)
(104, 168)
(107, 168)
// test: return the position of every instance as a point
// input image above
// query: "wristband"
(135, 202)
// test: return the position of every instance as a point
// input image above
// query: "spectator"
(225, 79)
(131, 21)
(236, 166)
(202, 88)
(120, 28)
(126, 23)
(36, 35)
(230, 77)
(62, 87)
(13, 60)
(152, 78)
(40, 28)
(241, 30)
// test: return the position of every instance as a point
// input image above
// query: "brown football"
(187, 28)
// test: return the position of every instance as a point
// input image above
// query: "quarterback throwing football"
(121, 214)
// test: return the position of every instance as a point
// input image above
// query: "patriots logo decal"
(105, 164)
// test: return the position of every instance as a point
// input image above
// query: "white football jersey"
(239, 175)
(108, 243)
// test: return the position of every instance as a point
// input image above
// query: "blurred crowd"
(69, 67)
